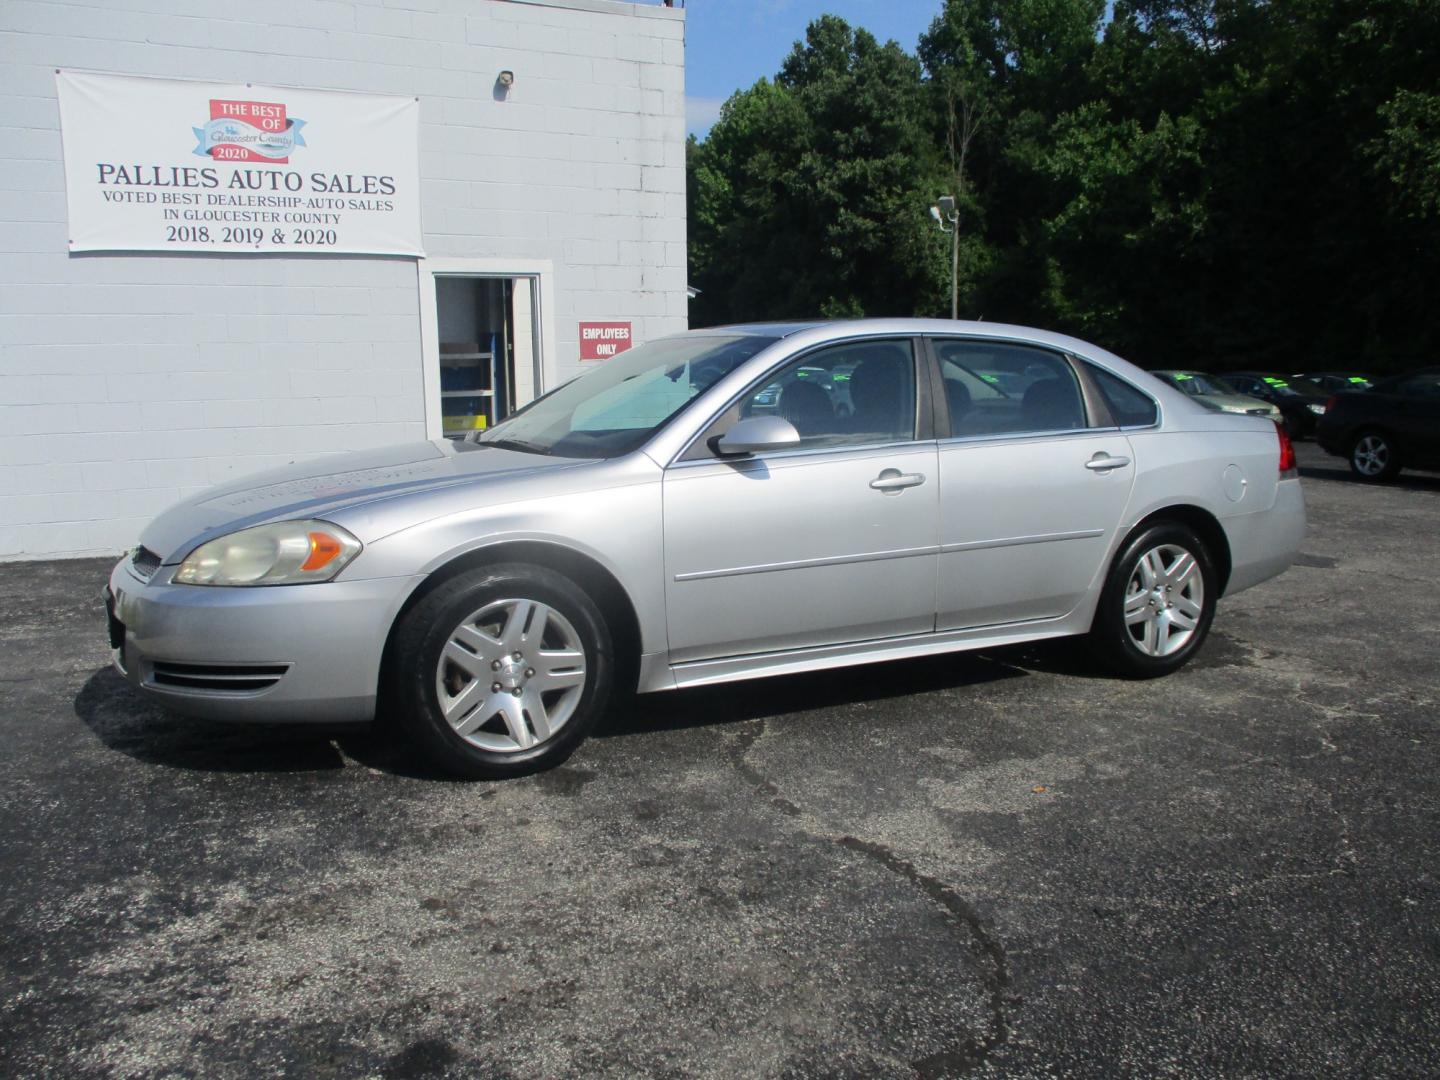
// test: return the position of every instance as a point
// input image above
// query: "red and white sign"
(602, 340)
(249, 131)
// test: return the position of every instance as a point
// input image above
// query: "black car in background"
(1302, 403)
(1332, 382)
(1392, 426)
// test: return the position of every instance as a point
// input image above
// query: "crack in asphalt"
(994, 971)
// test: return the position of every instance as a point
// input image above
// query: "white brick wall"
(128, 382)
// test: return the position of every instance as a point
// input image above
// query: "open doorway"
(487, 334)
(487, 354)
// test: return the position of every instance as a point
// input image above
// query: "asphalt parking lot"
(997, 864)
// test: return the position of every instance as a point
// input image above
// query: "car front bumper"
(297, 653)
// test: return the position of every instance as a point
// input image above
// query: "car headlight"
(286, 553)
(1318, 410)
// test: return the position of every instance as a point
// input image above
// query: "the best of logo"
(249, 131)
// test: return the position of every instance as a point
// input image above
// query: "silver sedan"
(723, 504)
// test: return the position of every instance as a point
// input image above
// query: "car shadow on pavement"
(1408, 480)
(125, 722)
(759, 698)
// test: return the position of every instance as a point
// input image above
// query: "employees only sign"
(168, 165)
(602, 340)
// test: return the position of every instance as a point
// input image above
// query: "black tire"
(1372, 456)
(1112, 640)
(414, 676)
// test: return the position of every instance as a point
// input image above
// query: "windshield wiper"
(517, 444)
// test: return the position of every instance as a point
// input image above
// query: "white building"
(129, 380)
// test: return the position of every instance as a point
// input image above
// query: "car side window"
(996, 388)
(843, 395)
(1128, 406)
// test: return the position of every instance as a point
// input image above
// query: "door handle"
(893, 481)
(1103, 462)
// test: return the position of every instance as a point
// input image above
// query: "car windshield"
(616, 408)
(1197, 384)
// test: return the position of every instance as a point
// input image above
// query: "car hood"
(328, 485)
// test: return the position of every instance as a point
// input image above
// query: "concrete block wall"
(128, 382)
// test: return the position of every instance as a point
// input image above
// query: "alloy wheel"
(510, 675)
(1371, 455)
(1164, 599)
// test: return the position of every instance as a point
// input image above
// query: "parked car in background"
(1332, 382)
(1301, 403)
(700, 509)
(1392, 426)
(1215, 393)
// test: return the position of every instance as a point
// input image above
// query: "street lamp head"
(935, 213)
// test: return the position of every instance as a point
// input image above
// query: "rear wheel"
(502, 671)
(1372, 456)
(1157, 603)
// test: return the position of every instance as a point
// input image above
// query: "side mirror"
(755, 434)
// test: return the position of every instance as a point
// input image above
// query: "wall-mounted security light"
(506, 79)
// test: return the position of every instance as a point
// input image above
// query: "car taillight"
(1288, 466)
(1330, 402)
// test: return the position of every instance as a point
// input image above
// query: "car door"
(1031, 491)
(833, 541)
(1417, 409)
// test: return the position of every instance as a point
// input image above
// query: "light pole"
(944, 210)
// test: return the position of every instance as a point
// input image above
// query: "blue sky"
(731, 43)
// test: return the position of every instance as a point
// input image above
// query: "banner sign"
(602, 340)
(166, 165)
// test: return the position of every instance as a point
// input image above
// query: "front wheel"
(501, 671)
(1372, 457)
(1157, 603)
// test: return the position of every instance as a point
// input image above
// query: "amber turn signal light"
(323, 550)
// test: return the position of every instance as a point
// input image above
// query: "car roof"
(824, 332)
(777, 329)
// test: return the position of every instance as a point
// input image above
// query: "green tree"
(808, 196)
(1216, 183)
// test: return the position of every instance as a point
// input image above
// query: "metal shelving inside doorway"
(456, 358)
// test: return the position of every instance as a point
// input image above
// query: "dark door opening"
(487, 349)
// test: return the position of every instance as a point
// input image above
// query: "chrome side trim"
(904, 446)
(1016, 541)
(879, 556)
(1028, 436)
(805, 564)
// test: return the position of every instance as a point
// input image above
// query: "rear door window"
(998, 388)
